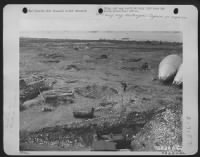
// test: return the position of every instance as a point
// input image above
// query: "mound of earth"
(33, 89)
(163, 131)
(95, 91)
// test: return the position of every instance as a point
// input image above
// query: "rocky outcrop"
(164, 131)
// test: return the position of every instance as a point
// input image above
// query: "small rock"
(124, 85)
(145, 66)
(47, 109)
(103, 56)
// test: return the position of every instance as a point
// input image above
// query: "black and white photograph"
(100, 90)
(91, 85)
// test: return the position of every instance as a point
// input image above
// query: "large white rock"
(178, 80)
(168, 67)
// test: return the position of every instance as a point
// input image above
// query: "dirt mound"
(132, 60)
(50, 61)
(33, 89)
(52, 55)
(103, 56)
(163, 131)
(72, 67)
(95, 91)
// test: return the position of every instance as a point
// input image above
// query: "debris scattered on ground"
(125, 123)
(47, 109)
(33, 89)
(84, 113)
(59, 97)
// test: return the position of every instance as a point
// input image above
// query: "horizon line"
(100, 40)
(95, 31)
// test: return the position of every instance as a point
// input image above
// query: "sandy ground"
(75, 64)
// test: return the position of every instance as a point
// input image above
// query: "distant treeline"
(153, 42)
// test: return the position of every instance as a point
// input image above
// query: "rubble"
(33, 89)
(163, 131)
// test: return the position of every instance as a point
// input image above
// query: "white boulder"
(168, 67)
(178, 80)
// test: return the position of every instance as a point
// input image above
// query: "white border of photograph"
(12, 14)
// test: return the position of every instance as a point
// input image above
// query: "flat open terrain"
(94, 70)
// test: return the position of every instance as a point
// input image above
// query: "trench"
(116, 132)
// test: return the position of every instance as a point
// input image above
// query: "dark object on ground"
(124, 86)
(58, 97)
(51, 61)
(154, 79)
(134, 59)
(103, 56)
(105, 103)
(70, 67)
(84, 114)
(71, 81)
(76, 48)
(103, 146)
(47, 109)
(145, 66)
